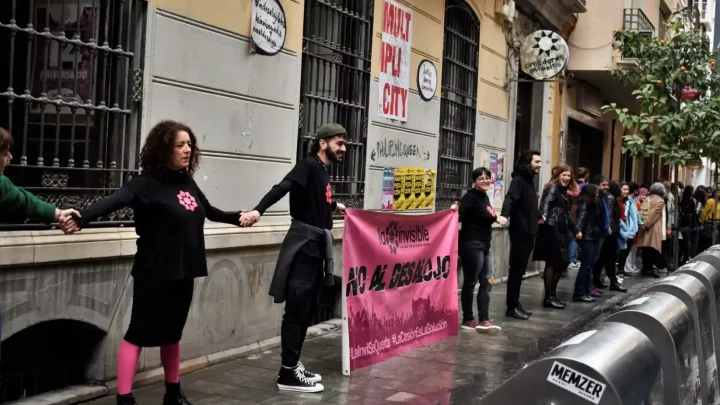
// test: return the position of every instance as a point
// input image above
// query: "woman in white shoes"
(477, 217)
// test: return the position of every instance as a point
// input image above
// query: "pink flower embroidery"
(187, 201)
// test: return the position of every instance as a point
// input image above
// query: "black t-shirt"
(311, 197)
(170, 212)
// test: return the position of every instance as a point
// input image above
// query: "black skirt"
(549, 245)
(159, 311)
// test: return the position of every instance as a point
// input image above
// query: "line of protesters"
(597, 228)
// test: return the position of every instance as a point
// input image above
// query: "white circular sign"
(268, 29)
(544, 54)
(427, 80)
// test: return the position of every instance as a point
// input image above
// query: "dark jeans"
(588, 253)
(651, 257)
(521, 247)
(301, 303)
(477, 266)
(623, 255)
(607, 260)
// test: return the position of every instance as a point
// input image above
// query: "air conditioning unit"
(575, 6)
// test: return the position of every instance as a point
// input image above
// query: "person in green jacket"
(19, 204)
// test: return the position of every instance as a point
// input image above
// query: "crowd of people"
(596, 227)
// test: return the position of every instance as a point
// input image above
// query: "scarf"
(621, 203)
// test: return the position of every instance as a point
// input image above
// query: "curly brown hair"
(160, 143)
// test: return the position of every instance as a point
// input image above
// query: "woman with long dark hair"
(590, 223)
(551, 243)
(477, 217)
(170, 212)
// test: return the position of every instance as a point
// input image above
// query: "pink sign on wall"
(400, 283)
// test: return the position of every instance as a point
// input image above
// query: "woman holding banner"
(551, 244)
(477, 217)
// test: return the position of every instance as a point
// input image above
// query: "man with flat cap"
(305, 262)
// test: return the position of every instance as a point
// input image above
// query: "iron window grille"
(458, 103)
(335, 85)
(71, 82)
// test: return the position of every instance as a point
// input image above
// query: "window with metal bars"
(335, 85)
(71, 87)
(458, 103)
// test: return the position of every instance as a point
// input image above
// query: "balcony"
(706, 11)
(575, 6)
(636, 20)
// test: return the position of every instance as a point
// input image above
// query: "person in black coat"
(590, 223)
(521, 208)
(610, 248)
(477, 217)
(170, 212)
(551, 243)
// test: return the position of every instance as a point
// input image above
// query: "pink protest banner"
(400, 274)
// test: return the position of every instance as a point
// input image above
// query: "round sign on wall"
(427, 80)
(544, 54)
(268, 28)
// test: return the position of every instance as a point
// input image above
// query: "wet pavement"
(457, 370)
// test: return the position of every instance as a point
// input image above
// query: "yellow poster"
(414, 188)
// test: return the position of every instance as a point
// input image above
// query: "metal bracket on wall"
(562, 80)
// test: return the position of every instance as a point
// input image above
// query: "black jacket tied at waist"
(298, 235)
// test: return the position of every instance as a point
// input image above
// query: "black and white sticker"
(576, 382)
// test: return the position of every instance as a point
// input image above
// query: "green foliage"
(678, 130)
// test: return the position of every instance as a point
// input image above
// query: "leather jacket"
(555, 207)
(590, 219)
(613, 211)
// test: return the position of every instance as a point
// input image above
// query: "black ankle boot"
(127, 399)
(552, 302)
(174, 395)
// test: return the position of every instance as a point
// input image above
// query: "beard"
(332, 156)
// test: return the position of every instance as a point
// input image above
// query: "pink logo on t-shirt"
(491, 211)
(187, 201)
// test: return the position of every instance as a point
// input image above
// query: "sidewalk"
(457, 370)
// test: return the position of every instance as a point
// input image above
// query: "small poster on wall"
(427, 80)
(395, 62)
(412, 188)
(388, 188)
(496, 182)
(268, 28)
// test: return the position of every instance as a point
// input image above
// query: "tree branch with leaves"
(677, 90)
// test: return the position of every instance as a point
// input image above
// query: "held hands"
(340, 209)
(502, 220)
(578, 235)
(66, 218)
(455, 206)
(542, 220)
(249, 218)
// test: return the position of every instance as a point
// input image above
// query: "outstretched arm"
(18, 202)
(217, 215)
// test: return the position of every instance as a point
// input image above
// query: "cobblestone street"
(457, 370)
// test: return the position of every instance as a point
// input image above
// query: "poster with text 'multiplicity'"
(395, 61)
(400, 284)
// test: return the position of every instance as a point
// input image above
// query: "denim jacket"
(630, 226)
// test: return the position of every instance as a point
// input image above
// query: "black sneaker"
(316, 378)
(127, 399)
(174, 395)
(295, 380)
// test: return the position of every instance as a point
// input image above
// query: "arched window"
(458, 102)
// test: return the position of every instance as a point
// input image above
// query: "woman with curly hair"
(170, 212)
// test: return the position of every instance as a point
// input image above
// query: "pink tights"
(128, 359)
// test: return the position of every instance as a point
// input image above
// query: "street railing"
(660, 348)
